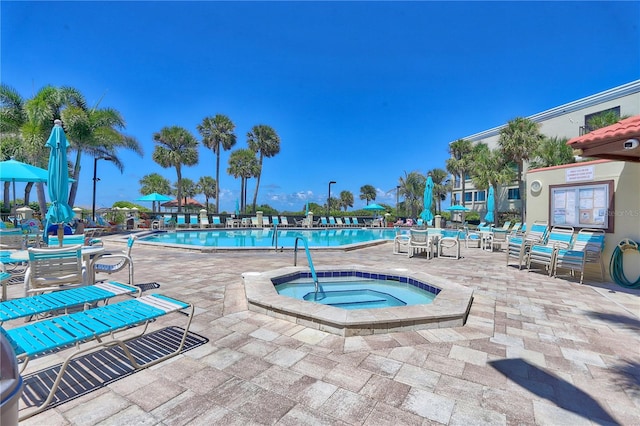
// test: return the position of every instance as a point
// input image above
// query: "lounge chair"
(112, 262)
(265, 222)
(181, 221)
(560, 237)
(506, 225)
(332, 221)
(587, 248)
(518, 247)
(194, 221)
(339, 222)
(53, 269)
(347, 221)
(254, 222)
(169, 221)
(356, 222)
(67, 240)
(275, 220)
(284, 221)
(324, 222)
(95, 329)
(217, 223)
(26, 307)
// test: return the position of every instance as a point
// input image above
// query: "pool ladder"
(306, 249)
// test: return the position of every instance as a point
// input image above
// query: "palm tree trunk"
(27, 192)
(217, 179)
(42, 200)
(76, 178)
(7, 194)
(255, 194)
(179, 174)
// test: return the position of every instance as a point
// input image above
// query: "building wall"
(626, 212)
(563, 121)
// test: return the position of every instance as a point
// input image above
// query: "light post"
(329, 199)
(397, 200)
(95, 180)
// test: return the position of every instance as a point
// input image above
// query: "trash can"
(10, 384)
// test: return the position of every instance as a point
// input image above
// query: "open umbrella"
(58, 184)
(153, 197)
(15, 171)
(491, 203)
(426, 214)
(459, 209)
(373, 207)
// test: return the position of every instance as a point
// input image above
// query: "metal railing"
(306, 249)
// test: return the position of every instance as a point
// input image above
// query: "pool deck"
(534, 350)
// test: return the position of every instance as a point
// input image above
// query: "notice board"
(587, 205)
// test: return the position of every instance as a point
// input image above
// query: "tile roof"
(623, 129)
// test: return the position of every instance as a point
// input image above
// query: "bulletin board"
(587, 205)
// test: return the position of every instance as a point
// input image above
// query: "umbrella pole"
(60, 234)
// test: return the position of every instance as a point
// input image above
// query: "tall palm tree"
(368, 192)
(243, 164)
(440, 186)
(186, 188)
(552, 152)
(490, 168)
(346, 199)
(265, 142)
(176, 147)
(460, 163)
(518, 140)
(217, 133)
(154, 182)
(12, 118)
(209, 188)
(412, 189)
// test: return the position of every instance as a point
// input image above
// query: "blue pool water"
(355, 292)
(264, 237)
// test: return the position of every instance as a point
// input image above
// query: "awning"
(620, 141)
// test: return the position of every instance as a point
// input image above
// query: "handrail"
(306, 249)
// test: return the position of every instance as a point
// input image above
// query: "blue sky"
(359, 92)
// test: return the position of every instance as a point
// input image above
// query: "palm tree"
(154, 182)
(12, 118)
(346, 199)
(175, 147)
(243, 164)
(412, 189)
(208, 187)
(490, 168)
(440, 186)
(518, 140)
(217, 133)
(368, 192)
(552, 152)
(460, 163)
(186, 188)
(263, 140)
(603, 119)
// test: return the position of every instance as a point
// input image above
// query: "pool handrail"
(306, 249)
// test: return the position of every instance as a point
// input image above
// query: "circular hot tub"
(449, 305)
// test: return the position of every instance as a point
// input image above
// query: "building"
(565, 121)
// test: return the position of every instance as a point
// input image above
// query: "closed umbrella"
(237, 208)
(491, 203)
(58, 184)
(426, 214)
(16, 171)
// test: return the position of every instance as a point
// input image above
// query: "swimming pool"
(449, 308)
(264, 238)
(358, 292)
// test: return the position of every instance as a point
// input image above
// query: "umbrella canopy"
(15, 171)
(491, 203)
(426, 214)
(458, 208)
(58, 183)
(154, 197)
(373, 207)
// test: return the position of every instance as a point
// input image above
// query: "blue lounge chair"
(193, 221)
(217, 223)
(67, 240)
(181, 221)
(518, 247)
(560, 237)
(95, 329)
(356, 222)
(275, 220)
(587, 248)
(63, 300)
(324, 222)
(332, 221)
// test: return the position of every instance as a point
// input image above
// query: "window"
(611, 114)
(457, 183)
(513, 194)
(481, 196)
(468, 196)
(589, 205)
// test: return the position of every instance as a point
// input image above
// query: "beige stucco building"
(601, 194)
(565, 121)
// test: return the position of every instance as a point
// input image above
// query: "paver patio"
(535, 350)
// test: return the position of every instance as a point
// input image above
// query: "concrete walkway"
(535, 350)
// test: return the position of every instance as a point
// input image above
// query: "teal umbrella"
(58, 184)
(459, 209)
(373, 207)
(15, 171)
(154, 197)
(237, 208)
(491, 203)
(426, 214)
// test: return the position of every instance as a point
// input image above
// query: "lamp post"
(95, 180)
(329, 199)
